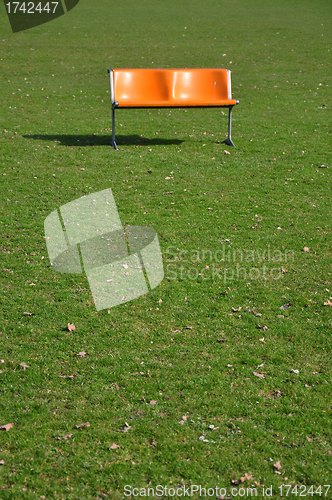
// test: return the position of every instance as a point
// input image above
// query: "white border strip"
(112, 86)
(229, 85)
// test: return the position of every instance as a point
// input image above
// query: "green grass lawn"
(161, 369)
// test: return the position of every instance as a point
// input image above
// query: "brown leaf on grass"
(2, 462)
(185, 417)
(114, 446)
(8, 271)
(227, 152)
(127, 427)
(309, 439)
(6, 427)
(29, 314)
(259, 375)
(261, 327)
(305, 249)
(67, 436)
(67, 376)
(81, 354)
(262, 340)
(24, 366)
(80, 426)
(236, 310)
(273, 394)
(246, 477)
(277, 465)
(2, 360)
(328, 303)
(188, 327)
(153, 402)
(71, 327)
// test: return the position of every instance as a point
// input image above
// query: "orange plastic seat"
(156, 88)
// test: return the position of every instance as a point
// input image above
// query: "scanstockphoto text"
(226, 264)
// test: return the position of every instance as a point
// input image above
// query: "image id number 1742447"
(31, 7)
(287, 490)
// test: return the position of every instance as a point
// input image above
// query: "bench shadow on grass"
(103, 140)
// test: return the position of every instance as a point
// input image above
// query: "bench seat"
(171, 88)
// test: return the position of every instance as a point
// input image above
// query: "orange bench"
(171, 88)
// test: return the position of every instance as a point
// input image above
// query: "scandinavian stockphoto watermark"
(120, 264)
(25, 15)
(225, 264)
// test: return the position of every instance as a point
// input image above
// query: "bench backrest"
(171, 87)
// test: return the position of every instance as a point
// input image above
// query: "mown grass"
(54, 135)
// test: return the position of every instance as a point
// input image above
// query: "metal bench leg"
(113, 143)
(229, 141)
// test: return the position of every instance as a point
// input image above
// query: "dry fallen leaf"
(81, 354)
(261, 327)
(2, 360)
(246, 477)
(6, 427)
(160, 301)
(114, 446)
(229, 366)
(262, 340)
(79, 426)
(309, 439)
(305, 249)
(328, 303)
(71, 327)
(236, 310)
(153, 402)
(227, 152)
(2, 462)
(29, 314)
(277, 465)
(67, 436)
(259, 375)
(24, 366)
(67, 376)
(8, 271)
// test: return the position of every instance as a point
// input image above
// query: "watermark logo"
(120, 265)
(25, 15)
(225, 264)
